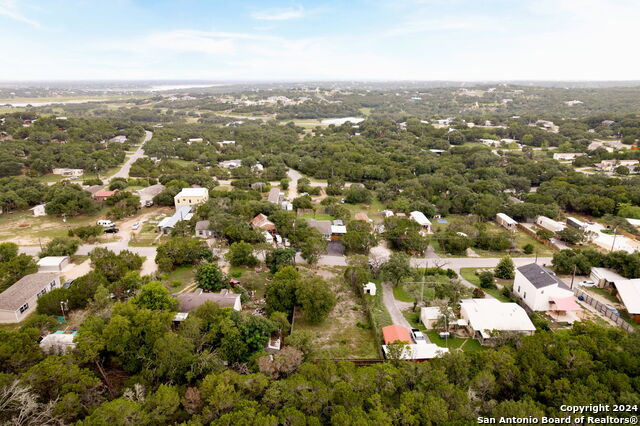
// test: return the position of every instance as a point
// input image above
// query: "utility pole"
(63, 307)
(614, 238)
(573, 276)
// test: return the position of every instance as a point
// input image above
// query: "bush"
(505, 270)
(529, 248)
(86, 232)
(506, 292)
(60, 246)
(544, 234)
(486, 279)
(478, 293)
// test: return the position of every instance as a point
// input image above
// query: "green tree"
(209, 277)
(505, 269)
(316, 299)
(155, 296)
(359, 238)
(241, 253)
(60, 246)
(281, 292)
(280, 258)
(396, 268)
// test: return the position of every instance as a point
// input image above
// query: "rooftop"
(193, 192)
(491, 314)
(629, 291)
(190, 301)
(52, 260)
(540, 277)
(394, 333)
(23, 289)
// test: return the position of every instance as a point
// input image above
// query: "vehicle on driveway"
(111, 231)
(135, 226)
(417, 335)
(587, 284)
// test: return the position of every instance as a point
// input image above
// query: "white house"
(21, 298)
(68, 172)
(421, 220)
(541, 290)
(230, 164)
(191, 197)
(38, 210)
(53, 263)
(577, 223)
(429, 316)
(506, 222)
(484, 316)
(227, 143)
(605, 277)
(567, 156)
(629, 294)
(549, 224)
(167, 224)
(118, 139)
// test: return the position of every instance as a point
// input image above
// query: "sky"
(244, 40)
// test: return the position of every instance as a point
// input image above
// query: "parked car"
(111, 231)
(417, 335)
(612, 309)
(106, 223)
(587, 284)
(135, 226)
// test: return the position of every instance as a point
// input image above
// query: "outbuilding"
(19, 300)
(506, 222)
(53, 263)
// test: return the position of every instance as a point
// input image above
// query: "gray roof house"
(202, 229)
(19, 300)
(187, 302)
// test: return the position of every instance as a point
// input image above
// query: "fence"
(534, 235)
(602, 308)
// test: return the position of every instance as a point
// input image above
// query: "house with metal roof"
(19, 300)
(421, 219)
(629, 294)
(485, 317)
(187, 302)
(167, 224)
(541, 290)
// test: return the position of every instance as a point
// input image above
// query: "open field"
(345, 333)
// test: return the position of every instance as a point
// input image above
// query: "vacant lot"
(344, 334)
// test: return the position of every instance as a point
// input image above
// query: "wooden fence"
(537, 237)
(603, 309)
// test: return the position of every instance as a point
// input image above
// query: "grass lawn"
(318, 216)
(25, 229)
(77, 259)
(184, 274)
(469, 275)
(602, 292)
(373, 210)
(345, 332)
(400, 294)
(467, 345)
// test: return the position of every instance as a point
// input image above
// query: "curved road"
(139, 153)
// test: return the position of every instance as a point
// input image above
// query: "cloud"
(9, 9)
(279, 14)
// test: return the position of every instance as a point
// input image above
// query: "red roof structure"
(565, 304)
(394, 333)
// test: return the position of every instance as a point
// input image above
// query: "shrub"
(529, 248)
(486, 279)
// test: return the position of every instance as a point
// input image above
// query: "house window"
(525, 295)
(52, 285)
(24, 308)
(542, 292)
(518, 289)
(42, 292)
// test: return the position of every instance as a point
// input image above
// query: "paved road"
(294, 177)
(390, 304)
(126, 167)
(456, 263)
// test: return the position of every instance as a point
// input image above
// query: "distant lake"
(341, 121)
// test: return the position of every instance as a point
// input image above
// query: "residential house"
(421, 219)
(146, 194)
(191, 197)
(21, 298)
(338, 229)
(605, 277)
(202, 229)
(68, 172)
(549, 224)
(577, 223)
(118, 139)
(167, 224)
(53, 263)
(541, 290)
(506, 222)
(275, 196)
(230, 164)
(258, 168)
(611, 165)
(486, 316)
(38, 210)
(94, 189)
(187, 302)
(194, 140)
(103, 194)
(411, 351)
(227, 143)
(429, 316)
(629, 294)
(567, 156)
(323, 226)
(262, 222)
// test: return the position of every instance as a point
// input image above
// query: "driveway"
(126, 167)
(294, 176)
(391, 306)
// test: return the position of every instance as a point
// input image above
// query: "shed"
(370, 288)
(605, 277)
(506, 222)
(58, 343)
(38, 210)
(629, 294)
(53, 263)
